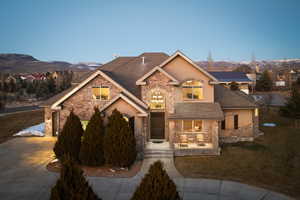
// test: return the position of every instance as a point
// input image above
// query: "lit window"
(256, 112)
(84, 124)
(101, 93)
(191, 125)
(192, 90)
(157, 100)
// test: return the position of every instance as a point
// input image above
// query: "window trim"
(100, 87)
(192, 87)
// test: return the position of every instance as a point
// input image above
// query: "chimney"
(143, 60)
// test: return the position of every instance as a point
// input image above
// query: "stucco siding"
(246, 124)
(183, 71)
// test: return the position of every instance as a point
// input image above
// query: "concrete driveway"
(23, 176)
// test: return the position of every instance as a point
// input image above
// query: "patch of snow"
(37, 130)
(55, 160)
(269, 124)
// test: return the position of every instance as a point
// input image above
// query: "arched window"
(192, 90)
(157, 100)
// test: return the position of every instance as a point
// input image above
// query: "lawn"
(12, 123)
(272, 161)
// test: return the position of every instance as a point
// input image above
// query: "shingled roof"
(132, 68)
(233, 99)
(124, 70)
(197, 110)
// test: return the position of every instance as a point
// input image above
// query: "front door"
(157, 126)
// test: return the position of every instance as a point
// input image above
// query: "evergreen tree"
(119, 141)
(234, 86)
(51, 85)
(42, 90)
(91, 151)
(69, 139)
(292, 106)
(265, 82)
(156, 185)
(72, 184)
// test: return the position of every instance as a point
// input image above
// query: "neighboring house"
(241, 78)
(165, 98)
(10, 79)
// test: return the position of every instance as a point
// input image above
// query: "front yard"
(12, 123)
(272, 161)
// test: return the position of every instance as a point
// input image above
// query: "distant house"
(10, 79)
(225, 78)
(167, 99)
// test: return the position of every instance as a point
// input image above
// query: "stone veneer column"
(171, 132)
(215, 134)
(48, 122)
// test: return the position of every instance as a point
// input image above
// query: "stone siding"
(83, 103)
(159, 81)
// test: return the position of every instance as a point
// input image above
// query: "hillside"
(21, 63)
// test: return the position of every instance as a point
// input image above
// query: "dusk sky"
(94, 30)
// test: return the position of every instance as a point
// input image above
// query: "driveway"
(23, 176)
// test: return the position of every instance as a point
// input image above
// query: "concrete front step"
(159, 153)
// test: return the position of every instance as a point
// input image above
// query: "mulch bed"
(103, 171)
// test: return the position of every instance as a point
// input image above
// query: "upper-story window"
(192, 90)
(157, 100)
(101, 93)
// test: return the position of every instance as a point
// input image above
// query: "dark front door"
(157, 125)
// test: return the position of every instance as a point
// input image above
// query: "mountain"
(263, 64)
(21, 63)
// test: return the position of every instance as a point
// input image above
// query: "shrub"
(292, 106)
(265, 82)
(72, 184)
(156, 185)
(119, 141)
(91, 151)
(69, 139)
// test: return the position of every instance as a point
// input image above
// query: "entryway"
(157, 125)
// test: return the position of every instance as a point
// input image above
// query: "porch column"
(215, 134)
(139, 133)
(171, 132)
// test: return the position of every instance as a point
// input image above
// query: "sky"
(95, 30)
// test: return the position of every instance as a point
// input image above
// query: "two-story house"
(165, 98)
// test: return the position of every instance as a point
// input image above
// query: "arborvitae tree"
(292, 106)
(72, 184)
(91, 151)
(156, 185)
(119, 141)
(234, 86)
(69, 139)
(265, 82)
